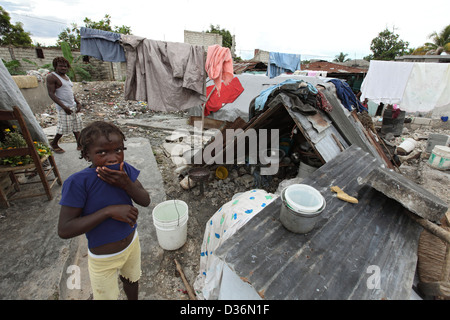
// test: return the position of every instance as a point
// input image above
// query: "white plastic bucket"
(406, 146)
(303, 198)
(440, 158)
(301, 212)
(170, 219)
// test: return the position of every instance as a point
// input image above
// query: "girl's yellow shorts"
(104, 270)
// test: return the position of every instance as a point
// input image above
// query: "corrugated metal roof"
(243, 66)
(330, 67)
(337, 259)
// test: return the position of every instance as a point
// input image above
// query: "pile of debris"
(314, 140)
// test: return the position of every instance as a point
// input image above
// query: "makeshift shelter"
(318, 135)
(253, 85)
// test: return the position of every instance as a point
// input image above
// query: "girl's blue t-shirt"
(86, 190)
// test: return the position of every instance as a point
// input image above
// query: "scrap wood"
(339, 144)
(373, 142)
(434, 262)
(186, 283)
(439, 232)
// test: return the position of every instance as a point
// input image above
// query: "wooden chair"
(13, 190)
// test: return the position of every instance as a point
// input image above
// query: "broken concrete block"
(422, 121)
(247, 180)
(409, 194)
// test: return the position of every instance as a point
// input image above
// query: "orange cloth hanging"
(219, 65)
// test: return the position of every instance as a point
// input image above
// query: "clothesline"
(170, 76)
(167, 74)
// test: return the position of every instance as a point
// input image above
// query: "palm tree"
(441, 43)
(341, 57)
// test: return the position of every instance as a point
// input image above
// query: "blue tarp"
(103, 45)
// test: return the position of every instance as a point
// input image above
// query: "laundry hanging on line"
(219, 66)
(102, 45)
(282, 62)
(170, 76)
(386, 81)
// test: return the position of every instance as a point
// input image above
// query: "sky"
(314, 29)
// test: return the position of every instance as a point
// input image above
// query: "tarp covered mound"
(10, 96)
(253, 85)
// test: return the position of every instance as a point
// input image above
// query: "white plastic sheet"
(428, 87)
(415, 86)
(386, 81)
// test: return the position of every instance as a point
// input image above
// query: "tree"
(72, 35)
(12, 34)
(341, 57)
(387, 46)
(227, 39)
(441, 43)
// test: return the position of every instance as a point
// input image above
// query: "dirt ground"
(104, 101)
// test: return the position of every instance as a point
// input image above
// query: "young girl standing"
(98, 201)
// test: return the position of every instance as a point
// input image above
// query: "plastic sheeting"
(428, 87)
(386, 81)
(10, 96)
(253, 85)
(415, 86)
(223, 224)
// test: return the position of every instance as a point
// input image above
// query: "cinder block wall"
(202, 38)
(101, 71)
(261, 55)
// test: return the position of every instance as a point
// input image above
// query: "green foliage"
(341, 57)
(72, 35)
(440, 43)
(44, 66)
(12, 34)
(77, 66)
(227, 39)
(13, 67)
(387, 46)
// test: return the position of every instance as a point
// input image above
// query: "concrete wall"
(261, 55)
(202, 38)
(37, 98)
(101, 71)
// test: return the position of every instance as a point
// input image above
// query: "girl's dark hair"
(60, 59)
(94, 130)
